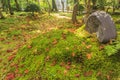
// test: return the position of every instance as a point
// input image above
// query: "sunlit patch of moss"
(81, 32)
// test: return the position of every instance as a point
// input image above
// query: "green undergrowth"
(59, 54)
(62, 55)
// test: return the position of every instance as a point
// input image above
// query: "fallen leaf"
(108, 77)
(83, 43)
(29, 47)
(77, 75)
(62, 64)
(16, 71)
(67, 67)
(101, 47)
(10, 76)
(89, 46)
(93, 39)
(73, 54)
(65, 72)
(47, 58)
(71, 30)
(22, 65)
(69, 63)
(26, 71)
(0, 60)
(54, 41)
(8, 42)
(18, 75)
(2, 39)
(9, 50)
(64, 36)
(99, 74)
(89, 73)
(53, 63)
(14, 38)
(47, 49)
(89, 55)
(11, 57)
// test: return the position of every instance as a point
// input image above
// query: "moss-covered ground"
(50, 48)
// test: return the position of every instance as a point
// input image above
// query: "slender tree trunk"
(54, 7)
(62, 5)
(49, 10)
(27, 2)
(94, 4)
(1, 15)
(88, 9)
(39, 2)
(119, 3)
(74, 14)
(17, 5)
(1, 5)
(85, 1)
(113, 9)
(10, 9)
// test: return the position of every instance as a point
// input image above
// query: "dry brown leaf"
(89, 73)
(89, 55)
(89, 46)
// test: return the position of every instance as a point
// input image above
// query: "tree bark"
(62, 5)
(88, 9)
(1, 5)
(1, 15)
(10, 9)
(17, 5)
(54, 7)
(49, 10)
(94, 4)
(74, 14)
(119, 2)
(39, 2)
(5, 5)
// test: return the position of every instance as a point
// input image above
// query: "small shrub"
(32, 8)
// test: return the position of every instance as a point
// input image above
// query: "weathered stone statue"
(101, 23)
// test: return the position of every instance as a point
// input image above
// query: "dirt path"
(60, 16)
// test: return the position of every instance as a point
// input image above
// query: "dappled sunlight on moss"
(81, 32)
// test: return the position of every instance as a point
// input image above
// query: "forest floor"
(46, 47)
(61, 16)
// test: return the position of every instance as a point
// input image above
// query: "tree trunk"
(17, 5)
(1, 15)
(49, 10)
(88, 9)
(119, 3)
(94, 2)
(54, 7)
(113, 9)
(10, 9)
(27, 2)
(62, 5)
(74, 14)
